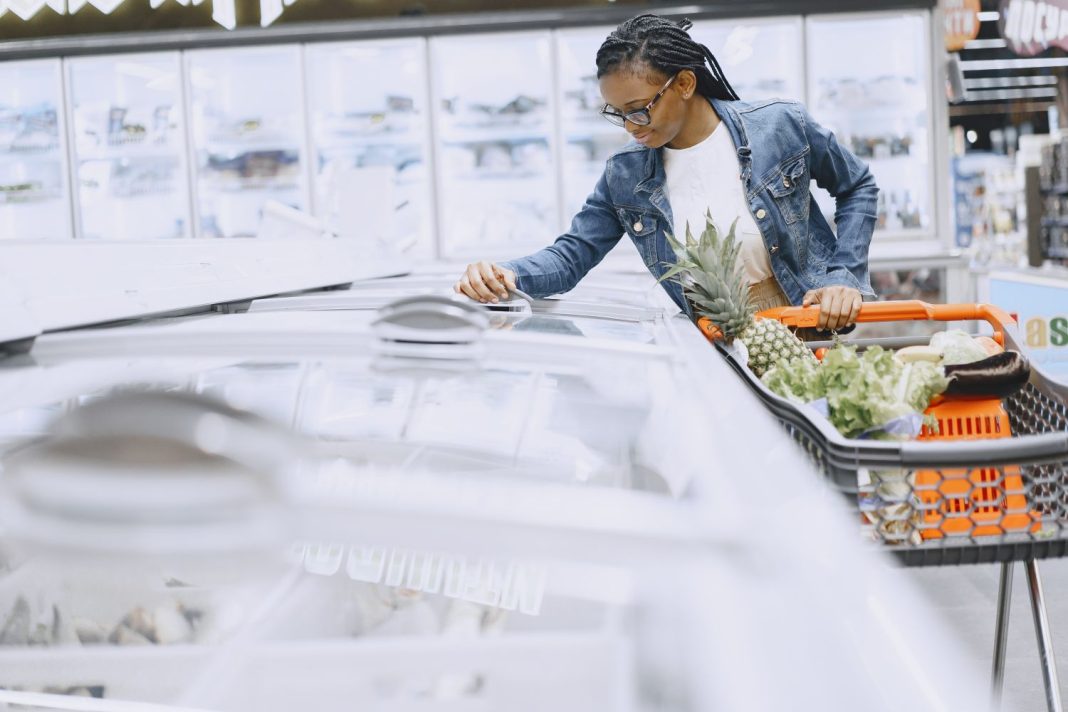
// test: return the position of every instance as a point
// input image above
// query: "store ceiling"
(140, 16)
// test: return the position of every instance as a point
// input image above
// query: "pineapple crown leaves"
(707, 269)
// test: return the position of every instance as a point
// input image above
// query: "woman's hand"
(486, 282)
(839, 306)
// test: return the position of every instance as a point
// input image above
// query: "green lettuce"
(864, 391)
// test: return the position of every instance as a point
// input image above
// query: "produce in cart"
(864, 394)
(708, 271)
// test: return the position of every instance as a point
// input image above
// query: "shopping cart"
(989, 485)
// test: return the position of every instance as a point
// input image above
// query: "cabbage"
(957, 347)
(865, 392)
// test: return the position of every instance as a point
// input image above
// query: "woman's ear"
(686, 83)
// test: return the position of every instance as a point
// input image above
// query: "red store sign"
(1033, 26)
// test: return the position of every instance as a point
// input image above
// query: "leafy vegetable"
(957, 347)
(863, 391)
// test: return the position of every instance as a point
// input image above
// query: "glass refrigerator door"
(494, 126)
(248, 134)
(368, 111)
(762, 59)
(33, 183)
(129, 145)
(589, 140)
(878, 106)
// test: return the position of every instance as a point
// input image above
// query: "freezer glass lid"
(580, 419)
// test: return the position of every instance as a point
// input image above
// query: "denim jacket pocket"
(789, 187)
(641, 227)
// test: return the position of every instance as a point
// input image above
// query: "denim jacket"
(780, 149)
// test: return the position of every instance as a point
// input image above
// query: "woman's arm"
(848, 179)
(558, 268)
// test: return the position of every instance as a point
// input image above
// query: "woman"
(698, 149)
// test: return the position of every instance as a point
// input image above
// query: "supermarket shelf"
(237, 147)
(334, 140)
(44, 153)
(503, 175)
(130, 150)
(496, 134)
(249, 186)
(1055, 189)
(34, 200)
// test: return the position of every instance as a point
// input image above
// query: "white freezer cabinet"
(454, 156)
(879, 105)
(34, 196)
(538, 525)
(394, 611)
(370, 126)
(496, 182)
(247, 121)
(129, 147)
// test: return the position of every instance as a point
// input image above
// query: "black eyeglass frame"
(638, 117)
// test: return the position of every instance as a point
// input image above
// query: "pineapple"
(710, 278)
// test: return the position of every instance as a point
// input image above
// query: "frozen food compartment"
(493, 126)
(589, 140)
(370, 127)
(140, 534)
(474, 642)
(34, 198)
(247, 113)
(879, 107)
(129, 147)
(549, 522)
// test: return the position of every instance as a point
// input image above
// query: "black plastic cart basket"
(989, 485)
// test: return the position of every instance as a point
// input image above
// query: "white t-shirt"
(705, 178)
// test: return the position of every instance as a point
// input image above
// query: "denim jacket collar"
(655, 176)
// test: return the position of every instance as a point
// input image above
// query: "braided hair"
(663, 45)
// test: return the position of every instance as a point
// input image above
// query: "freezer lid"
(64, 286)
(18, 328)
(543, 398)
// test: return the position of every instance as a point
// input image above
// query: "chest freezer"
(541, 526)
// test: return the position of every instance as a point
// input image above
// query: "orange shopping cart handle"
(910, 310)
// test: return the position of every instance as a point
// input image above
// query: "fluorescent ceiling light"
(25, 8)
(999, 94)
(105, 6)
(270, 10)
(985, 44)
(990, 65)
(224, 12)
(1004, 82)
(989, 16)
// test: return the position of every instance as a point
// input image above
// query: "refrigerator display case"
(879, 105)
(494, 133)
(34, 202)
(248, 129)
(588, 140)
(370, 129)
(538, 527)
(761, 58)
(129, 147)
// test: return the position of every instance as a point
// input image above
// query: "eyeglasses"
(638, 117)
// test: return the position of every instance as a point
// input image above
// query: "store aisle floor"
(967, 596)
